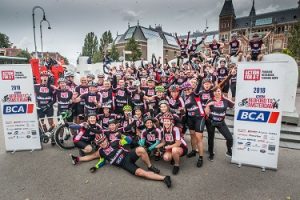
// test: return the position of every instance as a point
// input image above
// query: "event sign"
(258, 113)
(18, 108)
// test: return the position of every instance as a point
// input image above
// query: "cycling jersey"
(151, 136)
(234, 47)
(193, 106)
(222, 73)
(104, 119)
(218, 108)
(255, 46)
(87, 135)
(173, 135)
(45, 95)
(63, 98)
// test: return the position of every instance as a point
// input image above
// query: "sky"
(71, 20)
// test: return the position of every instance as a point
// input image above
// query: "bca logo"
(18, 109)
(258, 116)
(8, 75)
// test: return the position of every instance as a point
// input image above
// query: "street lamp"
(33, 22)
(41, 32)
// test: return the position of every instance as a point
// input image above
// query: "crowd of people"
(146, 111)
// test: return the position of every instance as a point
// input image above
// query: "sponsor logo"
(252, 74)
(8, 75)
(18, 109)
(258, 116)
(17, 97)
(260, 102)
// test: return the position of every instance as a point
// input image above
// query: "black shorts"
(79, 109)
(225, 89)
(81, 144)
(48, 113)
(129, 162)
(196, 124)
(233, 89)
(254, 55)
(185, 150)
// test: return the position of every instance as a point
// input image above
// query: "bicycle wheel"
(64, 137)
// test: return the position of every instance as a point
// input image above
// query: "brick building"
(142, 34)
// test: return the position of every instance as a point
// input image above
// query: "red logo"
(8, 75)
(252, 74)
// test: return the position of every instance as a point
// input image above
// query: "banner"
(18, 108)
(258, 107)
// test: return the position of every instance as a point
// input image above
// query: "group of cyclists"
(146, 111)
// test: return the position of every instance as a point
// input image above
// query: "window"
(150, 34)
(171, 40)
(263, 21)
(129, 33)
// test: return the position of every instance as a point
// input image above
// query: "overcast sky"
(71, 20)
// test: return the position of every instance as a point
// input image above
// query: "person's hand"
(168, 147)
(86, 125)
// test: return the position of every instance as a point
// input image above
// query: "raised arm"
(188, 38)
(177, 39)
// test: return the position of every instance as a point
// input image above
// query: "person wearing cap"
(122, 158)
(90, 77)
(222, 73)
(149, 92)
(63, 98)
(150, 137)
(256, 44)
(92, 99)
(71, 85)
(175, 101)
(100, 81)
(103, 118)
(79, 106)
(195, 119)
(45, 98)
(172, 143)
(86, 135)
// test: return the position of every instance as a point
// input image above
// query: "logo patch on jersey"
(151, 92)
(92, 99)
(151, 137)
(105, 94)
(44, 90)
(108, 150)
(105, 120)
(172, 102)
(205, 96)
(83, 90)
(64, 95)
(121, 93)
(137, 96)
(219, 104)
(169, 137)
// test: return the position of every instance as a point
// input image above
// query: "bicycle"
(61, 134)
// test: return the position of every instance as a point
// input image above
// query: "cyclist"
(222, 72)
(70, 81)
(64, 99)
(90, 77)
(122, 158)
(45, 98)
(79, 107)
(183, 45)
(235, 48)
(172, 142)
(100, 81)
(86, 135)
(103, 118)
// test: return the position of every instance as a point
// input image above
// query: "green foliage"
(24, 54)
(133, 46)
(4, 41)
(114, 54)
(90, 46)
(294, 42)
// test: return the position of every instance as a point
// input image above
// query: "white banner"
(18, 108)
(155, 46)
(258, 107)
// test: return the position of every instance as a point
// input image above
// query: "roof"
(277, 17)
(227, 9)
(142, 33)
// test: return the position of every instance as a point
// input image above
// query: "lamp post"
(33, 22)
(41, 32)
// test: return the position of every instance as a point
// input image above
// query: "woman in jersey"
(216, 112)
(124, 159)
(150, 137)
(107, 115)
(86, 135)
(172, 142)
(176, 102)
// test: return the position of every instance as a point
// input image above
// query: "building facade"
(142, 34)
(280, 22)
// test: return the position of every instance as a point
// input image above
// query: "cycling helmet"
(99, 138)
(92, 76)
(148, 118)
(223, 60)
(101, 75)
(92, 114)
(167, 116)
(136, 83)
(61, 80)
(127, 108)
(174, 88)
(112, 121)
(150, 79)
(163, 102)
(92, 84)
(159, 88)
(107, 105)
(137, 108)
(69, 74)
(186, 85)
(206, 80)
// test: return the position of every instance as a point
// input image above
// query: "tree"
(105, 40)
(4, 41)
(133, 46)
(294, 41)
(24, 54)
(114, 53)
(90, 46)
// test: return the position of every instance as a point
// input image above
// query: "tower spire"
(227, 9)
(253, 12)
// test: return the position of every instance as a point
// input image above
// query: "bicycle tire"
(57, 138)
